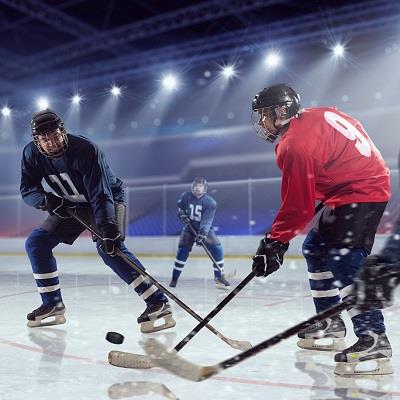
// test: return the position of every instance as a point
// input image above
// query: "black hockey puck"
(115, 337)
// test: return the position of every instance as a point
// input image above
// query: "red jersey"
(325, 155)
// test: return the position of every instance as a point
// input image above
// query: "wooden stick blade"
(241, 345)
(170, 361)
(129, 360)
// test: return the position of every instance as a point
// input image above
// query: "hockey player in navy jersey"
(198, 209)
(78, 173)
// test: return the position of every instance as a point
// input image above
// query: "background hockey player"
(326, 155)
(78, 174)
(198, 209)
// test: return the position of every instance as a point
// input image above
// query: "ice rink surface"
(69, 362)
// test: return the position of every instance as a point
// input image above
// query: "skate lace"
(152, 308)
(39, 310)
(317, 326)
(360, 345)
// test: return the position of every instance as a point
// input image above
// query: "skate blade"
(334, 344)
(150, 326)
(222, 287)
(383, 366)
(58, 320)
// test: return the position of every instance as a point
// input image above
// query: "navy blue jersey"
(200, 211)
(80, 175)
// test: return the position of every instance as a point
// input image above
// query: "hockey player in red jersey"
(326, 155)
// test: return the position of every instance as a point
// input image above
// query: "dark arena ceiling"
(54, 43)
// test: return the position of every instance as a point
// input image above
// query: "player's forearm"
(33, 196)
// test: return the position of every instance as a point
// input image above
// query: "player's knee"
(36, 241)
(217, 252)
(183, 253)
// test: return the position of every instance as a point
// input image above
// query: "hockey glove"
(269, 256)
(200, 238)
(111, 238)
(183, 217)
(375, 283)
(56, 205)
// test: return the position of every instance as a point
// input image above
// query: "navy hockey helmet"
(197, 190)
(48, 133)
(272, 109)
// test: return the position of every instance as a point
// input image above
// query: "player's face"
(199, 189)
(51, 142)
(264, 121)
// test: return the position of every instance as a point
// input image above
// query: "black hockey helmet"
(200, 181)
(47, 123)
(277, 101)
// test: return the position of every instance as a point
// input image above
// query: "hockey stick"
(194, 372)
(229, 275)
(236, 344)
(133, 360)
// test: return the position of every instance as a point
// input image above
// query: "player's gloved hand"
(56, 205)
(375, 283)
(111, 238)
(200, 238)
(183, 217)
(269, 256)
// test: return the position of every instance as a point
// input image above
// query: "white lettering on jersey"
(195, 212)
(76, 197)
(350, 131)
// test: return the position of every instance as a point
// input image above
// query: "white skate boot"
(222, 283)
(155, 313)
(331, 328)
(373, 347)
(56, 313)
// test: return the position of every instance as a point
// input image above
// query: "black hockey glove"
(375, 283)
(269, 256)
(111, 238)
(56, 205)
(200, 238)
(183, 217)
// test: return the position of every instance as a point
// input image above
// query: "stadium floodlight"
(228, 71)
(76, 99)
(6, 111)
(42, 103)
(338, 50)
(272, 59)
(115, 91)
(170, 82)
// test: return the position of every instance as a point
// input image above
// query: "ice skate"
(369, 347)
(156, 313)
(222, 283)
(173, 283)
(56, 313)
(331, 328)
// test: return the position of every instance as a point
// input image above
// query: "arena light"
(42, 103)
(115, 91)
(272, 60)
(6, 111)
(338, 50)
(76, 99)
(170, 82)
(228, 71)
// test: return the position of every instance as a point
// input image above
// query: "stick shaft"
(230, 362)
(139, 270)
(205, 248)
(215, 311)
